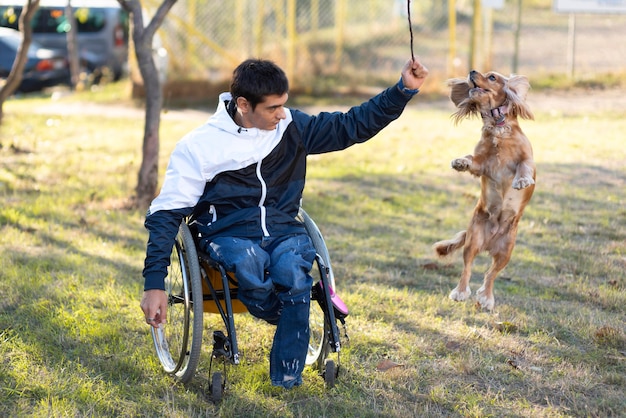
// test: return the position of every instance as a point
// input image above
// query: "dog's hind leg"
(462, 291)
(484, 295)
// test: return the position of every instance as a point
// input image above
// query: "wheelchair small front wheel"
(178, 343)
(217, 387)
(330, 373)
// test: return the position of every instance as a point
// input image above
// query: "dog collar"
(499, 114)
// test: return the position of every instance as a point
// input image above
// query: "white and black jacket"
(248, 183)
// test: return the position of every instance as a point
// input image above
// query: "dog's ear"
(459, 94)
(459, 90)
(516, 88)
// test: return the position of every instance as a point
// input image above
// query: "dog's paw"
(486, 301)
(461, 164)
(460, 295)
(522, 182)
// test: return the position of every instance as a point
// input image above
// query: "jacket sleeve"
(162, 227)
(182, 187)
(333, 131)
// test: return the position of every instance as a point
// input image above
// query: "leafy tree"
(142, 37)
(17, 70)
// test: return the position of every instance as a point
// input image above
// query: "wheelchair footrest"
(339, 307)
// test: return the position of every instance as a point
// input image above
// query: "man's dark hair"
(256, 78)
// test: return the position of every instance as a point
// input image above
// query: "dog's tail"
(447, 247)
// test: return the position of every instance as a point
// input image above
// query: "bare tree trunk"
(72, 45)
(142, 37)
(15, 76)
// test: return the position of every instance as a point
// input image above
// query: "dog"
(503, 160)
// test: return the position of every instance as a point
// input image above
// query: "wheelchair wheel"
(319, 346)
(178, 343)
(318, 243)
(217, 387)
(330, 373)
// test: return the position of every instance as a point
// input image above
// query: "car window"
(52, 19)
(12, 42)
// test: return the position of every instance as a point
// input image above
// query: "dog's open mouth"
(475, 87)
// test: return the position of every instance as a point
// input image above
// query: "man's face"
(266, 114)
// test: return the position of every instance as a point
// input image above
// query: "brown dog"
(503, 159)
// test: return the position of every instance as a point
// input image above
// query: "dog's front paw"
(522, 182)
(461, 164)
(460, 295)
(486, 301)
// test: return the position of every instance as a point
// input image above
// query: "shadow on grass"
(575, 225)
(379, 229)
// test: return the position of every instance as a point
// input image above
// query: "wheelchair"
(197, 284)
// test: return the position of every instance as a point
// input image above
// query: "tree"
(142, 37)
(17, 70)
(72, 45)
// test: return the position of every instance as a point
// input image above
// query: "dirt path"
(579, 101)
(561, 102)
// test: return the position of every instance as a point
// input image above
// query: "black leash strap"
(408, 9)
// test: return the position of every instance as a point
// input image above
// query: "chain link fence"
(327, 44)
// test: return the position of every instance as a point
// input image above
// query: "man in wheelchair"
(242, 175)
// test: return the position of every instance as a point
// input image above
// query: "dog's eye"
(492, 77)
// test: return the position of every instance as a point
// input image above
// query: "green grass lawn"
(73, 341)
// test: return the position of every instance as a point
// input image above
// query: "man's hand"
(154, 307)
(414, 74)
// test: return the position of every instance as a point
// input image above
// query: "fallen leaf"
(609, 336)
(387, 364)
(453, 345)
(430, 266)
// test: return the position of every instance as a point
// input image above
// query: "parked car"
(44, 67)
(101, 30)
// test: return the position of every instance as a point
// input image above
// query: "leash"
(408, 9)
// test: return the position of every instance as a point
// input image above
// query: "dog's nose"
(473, 73)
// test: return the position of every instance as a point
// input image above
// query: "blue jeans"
(275, 285)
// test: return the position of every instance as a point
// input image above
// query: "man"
(242, 174)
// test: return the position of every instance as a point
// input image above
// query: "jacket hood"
(222, 120)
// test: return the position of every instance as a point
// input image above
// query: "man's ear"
(243, 104)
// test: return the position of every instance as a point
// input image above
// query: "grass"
(72, 338)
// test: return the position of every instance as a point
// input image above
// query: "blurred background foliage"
(336, 45)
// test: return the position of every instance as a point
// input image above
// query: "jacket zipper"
(262, 200)
(213, 212)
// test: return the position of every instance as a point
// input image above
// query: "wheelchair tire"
(178, 343)
(217, 387)
(319, 346)
(330, 373)
(318, 242)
